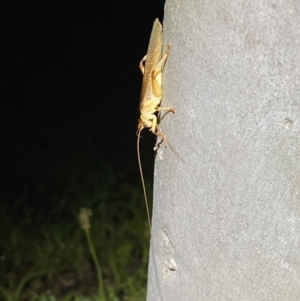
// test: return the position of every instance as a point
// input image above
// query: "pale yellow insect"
(152, 66)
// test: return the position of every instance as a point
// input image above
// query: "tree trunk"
(226, 217)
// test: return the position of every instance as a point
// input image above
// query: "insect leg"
(157, 74)
(155, 130)
(169, 109)
(159, 67)
(141, 65)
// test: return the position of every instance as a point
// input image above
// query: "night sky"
(71, 79)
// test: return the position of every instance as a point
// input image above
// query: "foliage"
(43, 251)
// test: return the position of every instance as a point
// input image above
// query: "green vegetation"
(47, 254)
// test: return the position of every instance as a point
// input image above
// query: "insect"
(152, 66)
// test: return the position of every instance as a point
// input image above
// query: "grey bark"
(226, 217)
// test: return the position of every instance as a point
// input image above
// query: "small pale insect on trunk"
(152, 66)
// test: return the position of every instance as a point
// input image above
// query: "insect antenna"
(142, 176)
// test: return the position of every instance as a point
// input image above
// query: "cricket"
(152, 66)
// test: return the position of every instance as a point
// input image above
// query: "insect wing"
(153, 57)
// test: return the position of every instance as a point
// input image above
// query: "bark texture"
(226, 218)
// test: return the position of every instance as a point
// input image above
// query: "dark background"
(71, 82)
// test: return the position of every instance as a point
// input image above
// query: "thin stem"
(97, 265)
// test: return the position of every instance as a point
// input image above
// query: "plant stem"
(97, 265)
